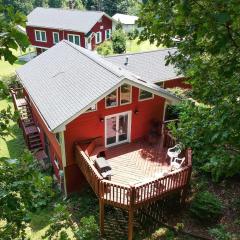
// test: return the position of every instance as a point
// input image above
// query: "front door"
(117, 128)
(88, 43)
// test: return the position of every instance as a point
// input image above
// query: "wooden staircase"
(31, 132)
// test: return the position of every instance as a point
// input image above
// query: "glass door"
(117, 129)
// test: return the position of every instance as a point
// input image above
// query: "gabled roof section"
(125, 19)
(56, 18)
(150, 65)
(66, 80)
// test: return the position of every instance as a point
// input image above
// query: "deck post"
(131, 213)
(101, 216)
(101, 209)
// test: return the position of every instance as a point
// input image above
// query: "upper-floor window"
(98, 37)
(144, 95)
(40, 36)
(92, 108)
(74, 39)
(125, 94)
(55, 37)
(111, 99)
(107, 34)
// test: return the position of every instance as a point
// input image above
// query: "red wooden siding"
(88, 125)
(101, 27)
(177, 83)
(54, 147)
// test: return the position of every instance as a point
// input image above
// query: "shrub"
(119, 41)
(105, 48)
(220, 233)
(206, 207)
(88, 229)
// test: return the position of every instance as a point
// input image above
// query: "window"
(111, 99)
(98, 37)
(55, 37)
(74, 39)
(92, 108)
(108, 34)
(40, 36)
(125, 94)
(144, 95)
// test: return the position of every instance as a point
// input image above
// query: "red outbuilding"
(48, 26)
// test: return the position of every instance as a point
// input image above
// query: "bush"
(105, 48)
(88, 229)
(206, 207)
(220, 233)
(119, 41)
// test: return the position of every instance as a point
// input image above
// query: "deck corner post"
(131, 213)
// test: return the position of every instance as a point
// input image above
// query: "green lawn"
(7, 69)
(133, 46)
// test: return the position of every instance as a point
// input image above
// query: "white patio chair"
(177, 163)
(174, 152)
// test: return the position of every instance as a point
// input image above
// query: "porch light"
(136, 111)
(101, 119)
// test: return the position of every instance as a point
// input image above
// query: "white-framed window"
(55, 37)
(111, 100)
(40, 36)
(108, 34)
(144, 95)
(74, 39)
(93, 108)
(125, 94)
(98, 37)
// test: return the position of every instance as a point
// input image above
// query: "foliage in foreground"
(220, 233)
(206, 34)
(23, 189)
(206, 207)
(62, 222)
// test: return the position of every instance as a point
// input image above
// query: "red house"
(99, 122)
(48, 26)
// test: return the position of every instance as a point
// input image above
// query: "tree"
(105, 48)
(119, 41)
(25, 6)
(40, 3)
(206, 34)
(55, 3)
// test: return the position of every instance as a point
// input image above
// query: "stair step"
(36, 140)
(35, 145)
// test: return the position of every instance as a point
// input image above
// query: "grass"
(133, 46)
(7, 69)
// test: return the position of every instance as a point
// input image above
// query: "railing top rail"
(169, 121)
(117, 184)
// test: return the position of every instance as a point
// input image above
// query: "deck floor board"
(137, 162)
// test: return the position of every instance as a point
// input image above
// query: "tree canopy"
(206, 34)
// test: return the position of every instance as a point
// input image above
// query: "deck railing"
(134, 196)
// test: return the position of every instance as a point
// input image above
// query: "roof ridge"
(136, 53)
(71, 10)
(93, 57)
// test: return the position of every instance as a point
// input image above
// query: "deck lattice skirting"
(133, 197)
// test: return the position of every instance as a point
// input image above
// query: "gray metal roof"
(80, 21)
(66, 80)
(150, 66)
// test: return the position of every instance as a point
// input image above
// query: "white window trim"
(40, 36)
(54, 38)
(122, 104)
(116, 98)
(129, 128)
(145, 99)
(106, 38)
(88, 111)
(97, 42)
(74, 35)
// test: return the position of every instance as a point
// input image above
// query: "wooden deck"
(137, 162)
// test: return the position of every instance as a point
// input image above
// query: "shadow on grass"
(16, 145)
(41, 219)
